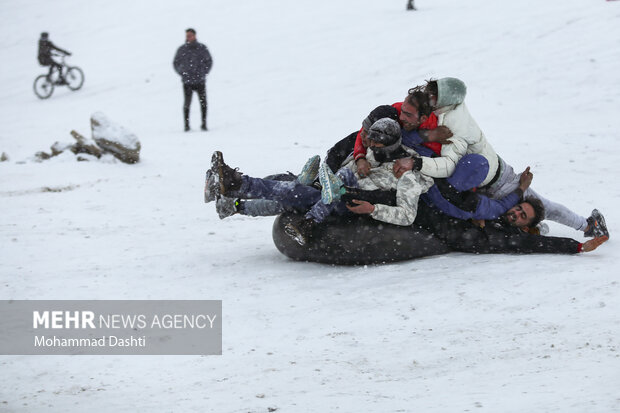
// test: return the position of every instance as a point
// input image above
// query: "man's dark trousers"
(202, 96)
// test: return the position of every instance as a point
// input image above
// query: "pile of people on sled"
(423, 161)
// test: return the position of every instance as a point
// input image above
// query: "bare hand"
(402, 165)
(362, 207)
(478, 222)
(526, 179)
(440, 134)
(363, 167)
(593, 244)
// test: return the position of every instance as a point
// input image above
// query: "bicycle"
(70, 76)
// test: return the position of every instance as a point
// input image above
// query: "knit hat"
(383, 111)
(385, 131)
(450, 91)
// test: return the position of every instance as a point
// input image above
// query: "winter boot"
(228, 179)
(226, 207)
(332, 187)
(204, 126)
(310, 171)
(211, 186)
(300, 231)
(596, 225)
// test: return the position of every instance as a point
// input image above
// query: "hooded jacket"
(193, 62)
(467, 136)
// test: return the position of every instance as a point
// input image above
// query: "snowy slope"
(451, 333)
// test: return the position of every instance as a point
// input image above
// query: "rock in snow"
(115, 139)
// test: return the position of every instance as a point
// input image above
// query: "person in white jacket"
(447, 97)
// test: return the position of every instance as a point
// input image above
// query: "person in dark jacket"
(45, 55)
(507, 234)
(193, 63)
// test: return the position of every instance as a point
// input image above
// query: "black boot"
(229, 179)
(300, 231)
(226, 207)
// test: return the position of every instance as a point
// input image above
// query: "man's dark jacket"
(193, 62)
(496, 237)
(45, 52)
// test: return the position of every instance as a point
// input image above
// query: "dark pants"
(202, 96)
(291, 195)
(53, 65)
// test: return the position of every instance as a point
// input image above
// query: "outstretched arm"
(440, 167)
(59, 49)
(593, 244)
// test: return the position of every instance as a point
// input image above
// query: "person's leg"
(559, 213)
(377, 196)
(320, 210)
(260, 207)
(226, 207)
(289, 194)
(302, 230)
(187, 94)
(61, 77)
(202, 96)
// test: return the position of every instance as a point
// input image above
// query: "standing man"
(193, 63)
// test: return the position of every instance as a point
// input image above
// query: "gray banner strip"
(115, 327)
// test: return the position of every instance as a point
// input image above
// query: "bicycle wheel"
(74, 78)
(43, 88)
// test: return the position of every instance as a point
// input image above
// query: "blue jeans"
(292, 195)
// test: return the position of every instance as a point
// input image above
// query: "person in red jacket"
(414, 113)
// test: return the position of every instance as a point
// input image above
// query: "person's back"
(467, 135)
(45, 51)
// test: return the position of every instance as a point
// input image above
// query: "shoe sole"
(327, 190)
(223, 207)
(209, 190)
(600, 227)
(308, 175)
(217, 160)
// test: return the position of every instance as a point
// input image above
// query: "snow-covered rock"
(115, 138)
(85, 145)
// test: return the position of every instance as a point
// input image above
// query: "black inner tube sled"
(357, 240)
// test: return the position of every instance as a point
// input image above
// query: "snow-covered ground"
(496, 333)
